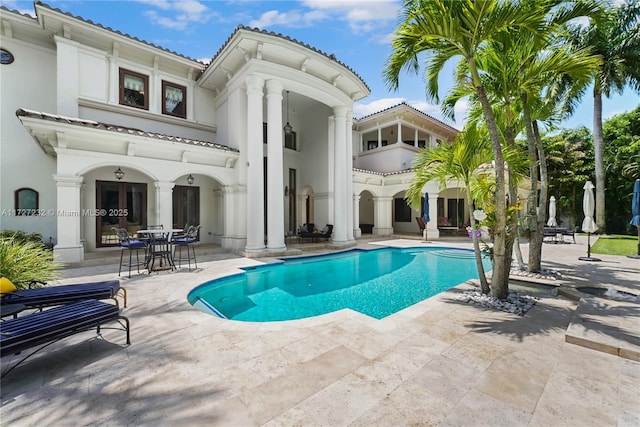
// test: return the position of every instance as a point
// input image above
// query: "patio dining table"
(159, 248)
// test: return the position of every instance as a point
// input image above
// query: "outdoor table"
(160, 248)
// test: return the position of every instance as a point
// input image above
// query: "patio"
(438, 362)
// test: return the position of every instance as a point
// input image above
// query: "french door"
(186, 206)
(122, 205)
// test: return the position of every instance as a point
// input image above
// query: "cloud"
(362, 16)
(176, 15)
(290, 18)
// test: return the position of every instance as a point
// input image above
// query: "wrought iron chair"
(187, 240)
(127, 243)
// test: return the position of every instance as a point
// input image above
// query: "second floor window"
(134, 88)
(174, 99)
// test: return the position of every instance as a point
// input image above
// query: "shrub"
(22, 261)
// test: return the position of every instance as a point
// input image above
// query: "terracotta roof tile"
(23, 112)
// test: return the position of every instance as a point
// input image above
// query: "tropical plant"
(616, 39)
(621, 152)
(25, 261)
(444, 30)
(461, 162)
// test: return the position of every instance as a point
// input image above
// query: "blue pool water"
(376, 283)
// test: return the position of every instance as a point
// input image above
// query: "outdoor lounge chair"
(46, 327)
(47, 296)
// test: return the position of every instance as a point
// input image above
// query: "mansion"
(100, 129)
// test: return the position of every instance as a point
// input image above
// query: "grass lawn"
(616, 245)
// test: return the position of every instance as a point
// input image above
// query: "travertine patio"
(439, 362)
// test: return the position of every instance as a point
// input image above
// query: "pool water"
(375, 282)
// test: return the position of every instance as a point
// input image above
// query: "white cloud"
(362, 16)
(362, 110)
(160, 4)
(290, 18)
(177, 15)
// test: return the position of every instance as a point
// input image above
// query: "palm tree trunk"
(484, 285)
(544, 193)
(598, 149)
(536, 208)
(500, 276)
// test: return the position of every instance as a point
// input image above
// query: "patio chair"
(325, 233)
(187, 240)
(43, 328)
(127, 243)
(47, 296)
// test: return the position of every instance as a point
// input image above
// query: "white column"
(415, 139)
(235, 218)
(341, 168)
(432, 225)
(255, 169)
(68, 216)
(379, 137)
(399, 139)
(362, 147)
(349, 157)
(382, 225)
(356, 216)
(164, 203)
(275, 179)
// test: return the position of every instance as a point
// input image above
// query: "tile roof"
(23, 112)
(384, 173)
(88, 21)
(414, 109)
(331, 56)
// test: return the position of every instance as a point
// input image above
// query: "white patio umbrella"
(588, 225)
(552, 213)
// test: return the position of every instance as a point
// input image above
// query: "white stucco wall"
(23, 84)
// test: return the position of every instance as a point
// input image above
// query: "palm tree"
(616, 39)
(448, 29)
(458, 161)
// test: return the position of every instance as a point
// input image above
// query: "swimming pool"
(376, 282)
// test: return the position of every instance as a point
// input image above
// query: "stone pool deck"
(439, 362)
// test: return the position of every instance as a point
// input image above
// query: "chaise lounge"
(43, 328)
(48, 296)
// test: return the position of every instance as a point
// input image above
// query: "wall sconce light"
(286, 190)
(190, 179)
(118, 173)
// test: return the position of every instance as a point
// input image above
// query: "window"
(402, 211)
(174, 100)
(371, 145)
(290, 141)
(133, 89)
(26, 201)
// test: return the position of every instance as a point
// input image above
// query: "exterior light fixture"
(118, 173)
(288, 128)
(190, 179)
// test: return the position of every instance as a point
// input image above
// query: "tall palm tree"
(448, 29)
(616, 39)
(459, 161)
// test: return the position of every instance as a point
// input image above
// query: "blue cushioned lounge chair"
(43, 328)
(58, 295)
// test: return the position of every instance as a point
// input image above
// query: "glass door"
(186, 206)
(122, 205)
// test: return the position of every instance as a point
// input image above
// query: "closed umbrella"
(635, 212)
(425, 215)
(552, 213)
(588, 225)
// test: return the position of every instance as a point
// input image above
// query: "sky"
(357, 32)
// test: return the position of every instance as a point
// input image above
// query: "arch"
(26, 201)
(367, 210)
